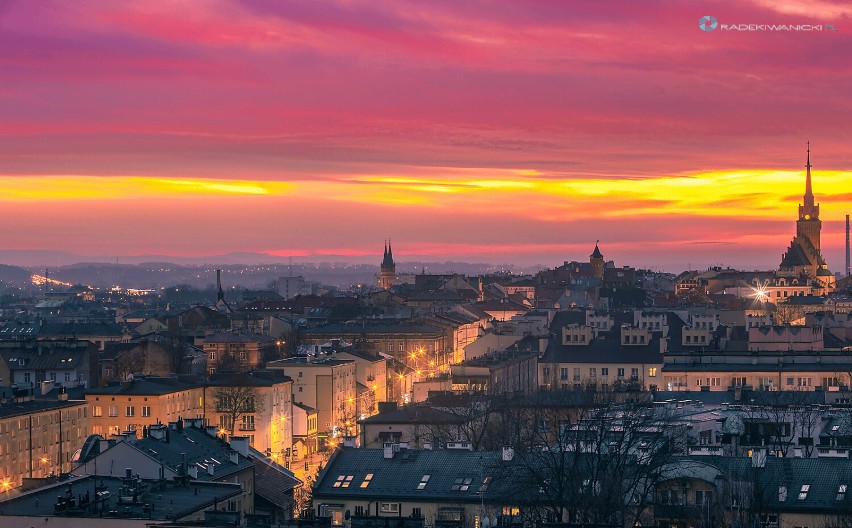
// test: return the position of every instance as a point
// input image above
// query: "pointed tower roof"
(809, 193)
(597, 252)
(387, 260)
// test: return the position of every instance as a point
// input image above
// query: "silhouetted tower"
(596, 259)
(809, 225)
(387, 275)
(220, 293)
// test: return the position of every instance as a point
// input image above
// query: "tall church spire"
(809, 194)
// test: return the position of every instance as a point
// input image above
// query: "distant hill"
(14, 275)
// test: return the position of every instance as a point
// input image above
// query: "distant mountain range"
(245, 270)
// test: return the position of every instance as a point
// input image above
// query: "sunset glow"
(521, 134)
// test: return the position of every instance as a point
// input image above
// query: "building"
(29, 362)
(238, 352)
(267, 418)
(327, 385)
(804, 256)
(448, 488)
(289, 287)
(387, 273)
(83, 502)
(38, 435)
(131, 405)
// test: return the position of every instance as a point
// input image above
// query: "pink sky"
(501, 132)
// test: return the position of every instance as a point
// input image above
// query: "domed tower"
(387, 276)
(596, 259)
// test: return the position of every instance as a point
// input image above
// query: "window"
(390, 347)
(343, 481)
(604, 371)
(652, 372)
(423, 481)
(545, 372)
(367, 480)
(563, 373)
(212, 355)
(359, 510)
(53, 376)
(389, 507)
(621, 372)
(300, 389)
(485, 482)
(97, 410)
(593, 372)
(803, 493)
(634, 373)
(417, 513)
(146, 411)
(402, 347)
(27, 377)
(67, 376)
(461, 484)
(113, 411)
(129, 411)
(576, 374)
(841, 492)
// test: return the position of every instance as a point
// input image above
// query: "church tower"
(387, 276)
(804, 257)
(809, 225)
(596, 259)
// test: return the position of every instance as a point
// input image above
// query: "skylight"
(803, 493)
(423, 481)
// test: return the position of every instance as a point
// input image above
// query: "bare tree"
(597, 463)
(232, 403)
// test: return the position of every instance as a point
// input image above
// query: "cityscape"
(425, 265)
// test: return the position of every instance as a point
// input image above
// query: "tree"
(232, 403)
(597, 462)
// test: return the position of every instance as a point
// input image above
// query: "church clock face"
(807, 217)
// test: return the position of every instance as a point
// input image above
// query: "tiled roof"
(400, 477)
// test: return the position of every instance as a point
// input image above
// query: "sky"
(505, 132)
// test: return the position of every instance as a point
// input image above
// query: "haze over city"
(514, 134)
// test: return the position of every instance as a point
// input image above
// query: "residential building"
(130, 405)
(38, 435)
(327, 385)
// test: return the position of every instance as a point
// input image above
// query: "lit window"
(367, 480)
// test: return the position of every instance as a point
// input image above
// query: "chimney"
(235, 457)
(193, 471)
(508, 453)
(211, 469)
(758, 458)
(386, 407)
(240, 444)
(157, 432)
(848, 264)
(389, 449)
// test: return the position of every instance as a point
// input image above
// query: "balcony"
(246, 427)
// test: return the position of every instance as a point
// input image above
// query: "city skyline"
(462, 132)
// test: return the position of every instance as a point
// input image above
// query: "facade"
(131, 405)
(371, 373)
(327, 385)
(268, 422)
(238, 352)
(38, 436)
